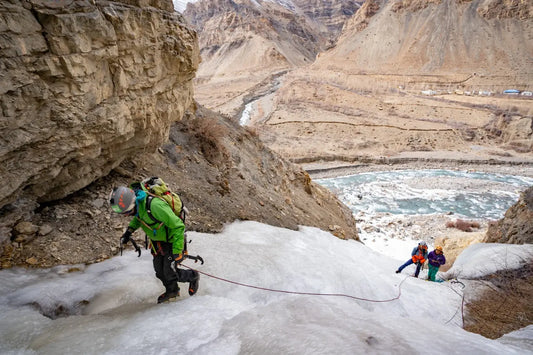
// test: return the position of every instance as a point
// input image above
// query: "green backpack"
(155, 187)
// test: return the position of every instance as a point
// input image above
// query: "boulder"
(454, 243)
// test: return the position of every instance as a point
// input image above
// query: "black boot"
(193, 285)
(168, 296)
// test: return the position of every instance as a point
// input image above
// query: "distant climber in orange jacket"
(418, 257)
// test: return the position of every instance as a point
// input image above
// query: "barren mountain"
(232, 30)
(488, 38)
(411, 79)
(245, 42)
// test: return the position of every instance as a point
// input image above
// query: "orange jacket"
(419, 255)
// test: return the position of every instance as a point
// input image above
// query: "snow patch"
(482, 259)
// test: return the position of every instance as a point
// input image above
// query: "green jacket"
(172, 228)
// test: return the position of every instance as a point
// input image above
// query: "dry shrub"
(252, 130)
(505, 307)
(500, 153)
(520, 147)
(469, 135)
(210, 134)
(462, 225)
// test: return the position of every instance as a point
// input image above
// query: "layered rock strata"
(84, 85)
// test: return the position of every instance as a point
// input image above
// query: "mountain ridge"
(244, 42)
(444, 36)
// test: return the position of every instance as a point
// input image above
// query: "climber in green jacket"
(166, 233)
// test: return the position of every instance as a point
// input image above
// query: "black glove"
(126, 236)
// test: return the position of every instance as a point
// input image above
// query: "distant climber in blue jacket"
(435, 260)
(418, 257)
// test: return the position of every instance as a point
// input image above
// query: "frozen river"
(416, 204)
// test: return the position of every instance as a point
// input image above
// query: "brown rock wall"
(517, 225)
(86, 84)
(82, 86)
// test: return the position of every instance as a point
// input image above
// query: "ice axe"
(137, 249)
(195, 258)
(186, 253)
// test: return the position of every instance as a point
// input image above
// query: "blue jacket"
(436, 259)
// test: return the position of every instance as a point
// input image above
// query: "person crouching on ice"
(435, 260)
(418, 257)
(166, 237)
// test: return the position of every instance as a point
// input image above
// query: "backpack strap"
(149, 199)
(149, 211)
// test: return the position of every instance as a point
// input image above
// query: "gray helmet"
(122, 200)
(423, 245)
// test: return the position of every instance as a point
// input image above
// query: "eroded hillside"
(244, 43)
(222, 172)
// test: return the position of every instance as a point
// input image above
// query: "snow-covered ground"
(484, 259)
(113, 304)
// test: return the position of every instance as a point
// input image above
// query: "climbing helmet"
(122, 200)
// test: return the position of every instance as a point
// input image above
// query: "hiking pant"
(432, 272)
(409, 262)
(163, 257)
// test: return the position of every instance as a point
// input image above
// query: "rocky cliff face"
(360, 21)
(332, 14)
(242, 36)
(84, 85)
(517, 225)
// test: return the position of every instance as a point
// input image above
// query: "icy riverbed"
(413, 205)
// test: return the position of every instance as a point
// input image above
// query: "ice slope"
(116, 311)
